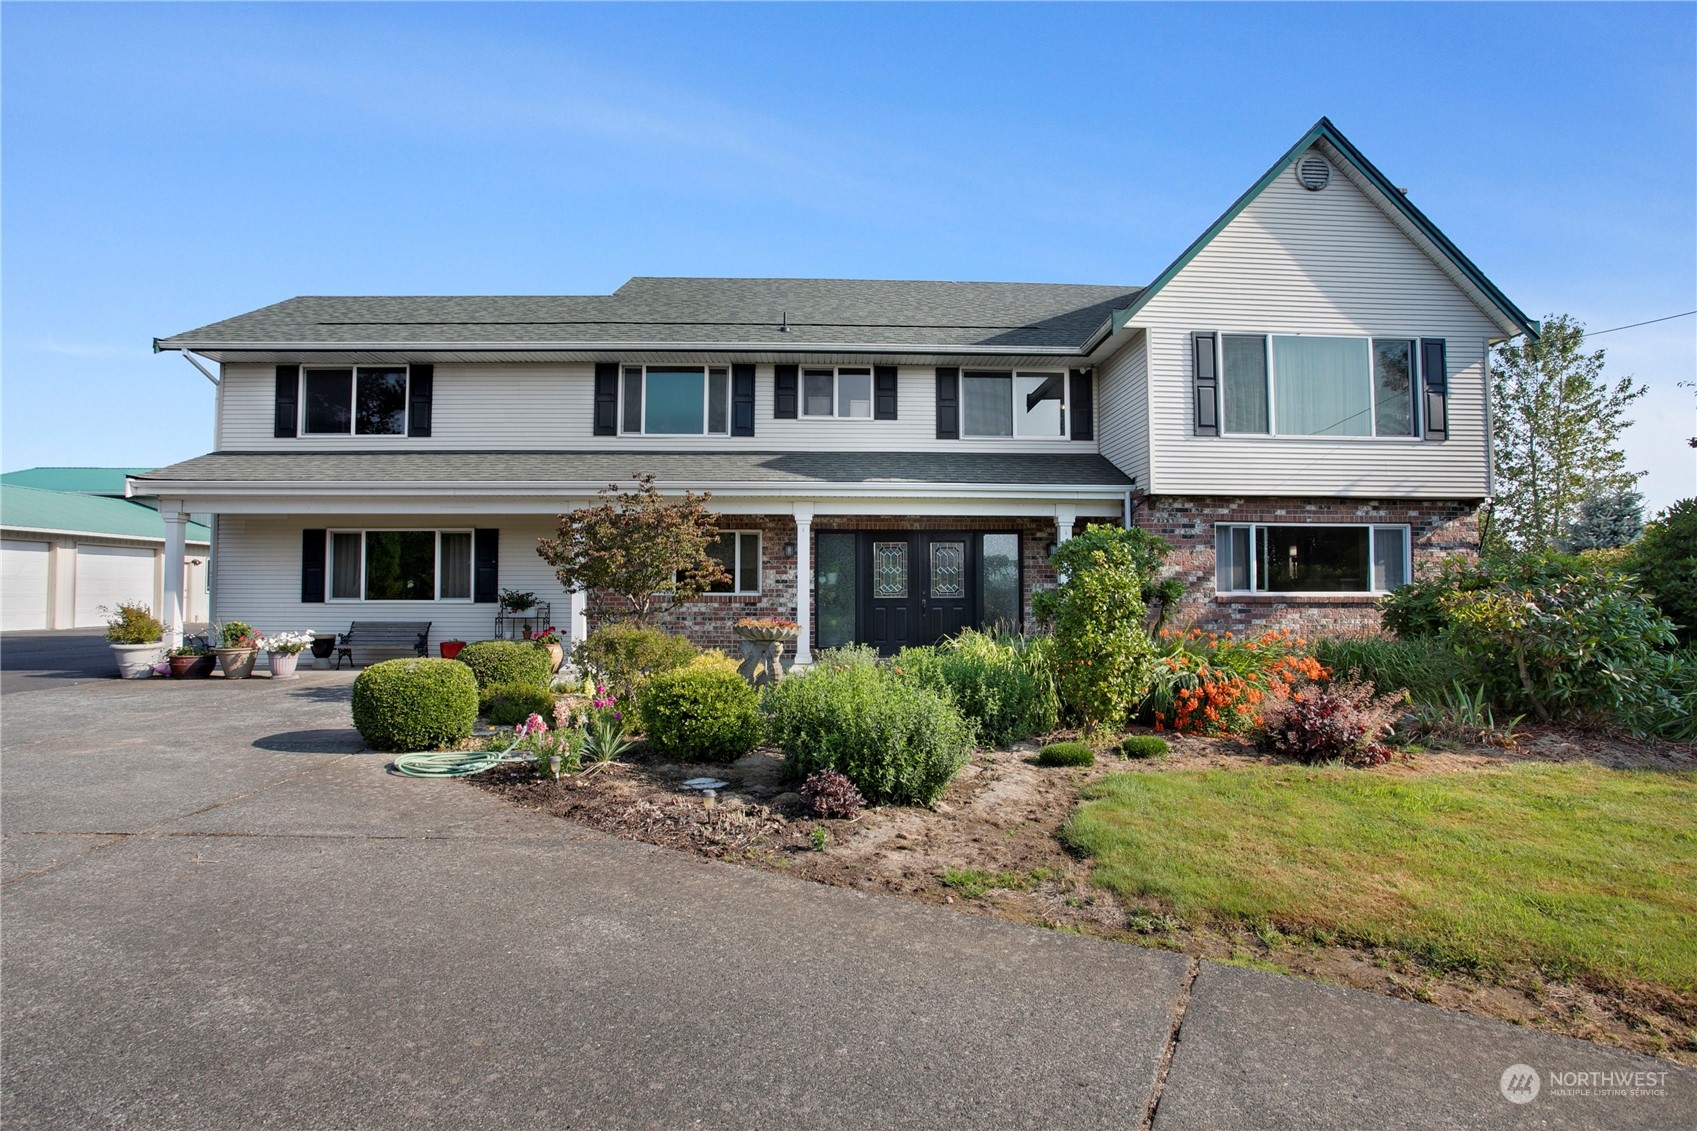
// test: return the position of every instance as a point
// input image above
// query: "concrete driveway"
(219, 912)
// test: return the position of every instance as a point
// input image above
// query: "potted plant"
(549, 638)
(513, 601)
(136, 637)
(284, 650)
(240, 648)
(191, 661)
(450, 648)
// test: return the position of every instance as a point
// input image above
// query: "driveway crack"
(1180, 1005)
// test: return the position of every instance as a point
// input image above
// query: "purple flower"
(618, 717)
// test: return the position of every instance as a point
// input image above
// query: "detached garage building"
(66, 553)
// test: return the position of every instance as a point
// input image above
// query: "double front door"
(917, 587)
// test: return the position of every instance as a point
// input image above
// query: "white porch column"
(1065, 515)
(804, 582)
(176, 526)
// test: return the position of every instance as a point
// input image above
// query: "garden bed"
(992, 846)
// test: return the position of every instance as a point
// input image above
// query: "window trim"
(1254, 563)
(1415, 377)
(736, 565)
(362, 531)
(1013, 376)
(836, 376)
(706, 400)
(301, 429)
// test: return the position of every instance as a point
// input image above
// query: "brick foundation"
(1439, 529)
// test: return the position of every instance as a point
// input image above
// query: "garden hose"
(456, 764)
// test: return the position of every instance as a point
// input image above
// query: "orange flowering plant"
(1213, 683)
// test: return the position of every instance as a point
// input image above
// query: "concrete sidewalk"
(219, 913)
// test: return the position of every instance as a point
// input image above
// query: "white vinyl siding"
(1325, 263)
(1122, 417)
(513, 405)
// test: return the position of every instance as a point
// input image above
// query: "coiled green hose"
(455, 764)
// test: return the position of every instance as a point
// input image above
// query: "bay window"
(367, 400)
(844, 392)
(1287, 385)
(675, 400)
(1025, 405)
(1310, 558)
(399, 565)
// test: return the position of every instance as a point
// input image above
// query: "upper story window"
(844, 392)
(1312, 386)
(400, 565)
(675, 400)
(370, 400)
(1310, 558)
(1027, 405)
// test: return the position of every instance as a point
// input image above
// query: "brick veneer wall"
(707, 621)
(1439, 529)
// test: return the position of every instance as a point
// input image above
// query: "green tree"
(1102, 653)
(1665, 559)
(647, 551)
(1606, 522)
(1555, 421)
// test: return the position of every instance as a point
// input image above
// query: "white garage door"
(23, 584)
(107, 575)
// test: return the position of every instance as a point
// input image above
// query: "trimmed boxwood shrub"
(508, 704)
(402, 705)
(624, 657)
(700, 713)
(898, 743)
(1066, 754)
(508, 661)
(1144, 746)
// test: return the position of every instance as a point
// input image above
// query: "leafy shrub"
(1102, 656)
(1423, 666)
(898, 743)
(507, 661)
(508, 704)
(1066, 754)
(1144, 746)
(848, 656)
(402, 705)
(1322, 724)
(236, 634)
(830, 794)
(1211, 683)
(1416, 610)
(133, 623)
(625, 656)
(702, 712)
(993, 680)
(1665, 559)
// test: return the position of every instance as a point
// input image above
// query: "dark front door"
(916, 587)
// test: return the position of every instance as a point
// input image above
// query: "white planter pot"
(135, 661)
(283, 664)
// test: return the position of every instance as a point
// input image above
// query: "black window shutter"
(1206, 381)
(288, 400)
(742, 400)
(485, 566)
(1083, 407)
(423, 392)
(884, 392)
(948, 403)
(312, 567)
(783, 392)
(606, 400)
(1435, 375)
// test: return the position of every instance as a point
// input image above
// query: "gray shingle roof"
(668, 310)
(597, 468)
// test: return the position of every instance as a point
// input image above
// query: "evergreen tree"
(1605, 522)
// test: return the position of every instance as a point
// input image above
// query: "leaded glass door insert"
(948, 569)
(889, 570)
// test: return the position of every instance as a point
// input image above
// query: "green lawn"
(1578, 869)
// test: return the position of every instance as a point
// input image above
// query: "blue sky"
(167, 166)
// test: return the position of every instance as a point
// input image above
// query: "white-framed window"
(1310, 558)
(1029, 405)
(363, 400)
(675, 400)
(843, 392)
(739, 552)
(1305, 385)
(399, 565)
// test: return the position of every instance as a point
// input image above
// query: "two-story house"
(1298, 403)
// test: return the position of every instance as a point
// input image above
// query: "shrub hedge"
(624, 657)
(508, 704)
(508, 661)
(402, 705)
(1066, 754)
(700, 713)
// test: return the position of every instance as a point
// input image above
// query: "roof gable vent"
(1313, 172)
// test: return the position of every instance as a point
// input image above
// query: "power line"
(1651, 322)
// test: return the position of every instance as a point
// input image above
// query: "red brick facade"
(1439, 529)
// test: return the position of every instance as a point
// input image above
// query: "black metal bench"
(388, 635)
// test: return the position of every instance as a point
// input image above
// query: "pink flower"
(532, 725)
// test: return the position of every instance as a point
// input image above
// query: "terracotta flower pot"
(556, 651)
(450, 648)
(236, 662)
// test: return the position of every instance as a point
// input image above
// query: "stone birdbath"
(763, 640)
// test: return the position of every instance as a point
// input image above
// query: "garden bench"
(388, 635)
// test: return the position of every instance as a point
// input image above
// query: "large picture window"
(400, 565)
(1026, 405)
(370, 400)
(675, 400)
(843, 392)
(1310, 558)
(1316, 386)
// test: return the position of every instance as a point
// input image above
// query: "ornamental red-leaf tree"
(647, 552)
